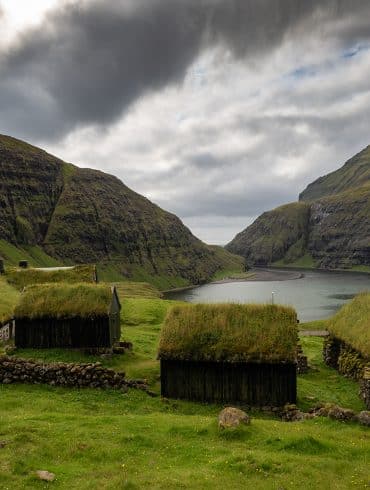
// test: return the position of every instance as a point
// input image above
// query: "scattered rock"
(119, 350)
(45, 475)
(232, 417)
(291, 413)
(364, 418)
(334, 412)
(342, 414)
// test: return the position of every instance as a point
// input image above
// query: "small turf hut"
(68, 316)
(230, 353)
(21, 278)
(348, 346)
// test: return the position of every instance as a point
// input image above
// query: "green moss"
(230, 332)
(351, 324)
(64, 301)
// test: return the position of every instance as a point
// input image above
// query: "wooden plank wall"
(251, 383)
(75, 333)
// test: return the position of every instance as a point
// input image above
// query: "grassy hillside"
(274, 235)
(35, 256)
(49, 208)
(95, 439)
(354, 173)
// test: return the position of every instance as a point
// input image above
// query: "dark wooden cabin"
(230, 353)
(68, 316)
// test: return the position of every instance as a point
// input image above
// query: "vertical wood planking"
(251, 383)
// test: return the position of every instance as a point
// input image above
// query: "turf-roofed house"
(68, 316)
(347, 347)
(20, 278)
(230, 353)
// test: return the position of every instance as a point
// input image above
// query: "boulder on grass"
(232, 417)
(45, 475)
(364, 418)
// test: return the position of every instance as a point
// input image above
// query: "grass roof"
(64, 301)
(230, 332)
(131, 289)
(352, 324)
(8, 301)
(21, 278)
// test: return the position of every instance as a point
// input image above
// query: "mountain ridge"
(331, 230)
(84, 215)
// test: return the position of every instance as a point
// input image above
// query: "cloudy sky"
(216, 110)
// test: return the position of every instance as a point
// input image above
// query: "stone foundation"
(349, 363)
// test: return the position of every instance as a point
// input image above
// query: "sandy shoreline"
(265, 275)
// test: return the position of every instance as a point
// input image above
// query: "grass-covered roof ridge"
(64, 301)
(230, 332)
(21, 278)
(352, 324)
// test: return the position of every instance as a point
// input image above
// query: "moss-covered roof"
(8, 301)
(21, 278)
(352, 324)
(230, 332)
(64, 301)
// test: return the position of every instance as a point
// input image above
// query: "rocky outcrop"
(276, 234)
(329, 228)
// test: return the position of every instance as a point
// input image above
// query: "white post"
(272, 297)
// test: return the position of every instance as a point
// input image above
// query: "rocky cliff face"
(81, 216)
(274, 234)
(328, 228)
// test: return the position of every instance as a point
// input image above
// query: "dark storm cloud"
(87, 63)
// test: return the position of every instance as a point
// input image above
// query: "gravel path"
(313, 333)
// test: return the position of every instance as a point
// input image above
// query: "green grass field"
(94, 439)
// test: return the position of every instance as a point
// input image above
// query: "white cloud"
(238, 135)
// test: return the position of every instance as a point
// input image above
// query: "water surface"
(315, 296)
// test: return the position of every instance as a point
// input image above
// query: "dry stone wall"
(342, 357)
(94, 375)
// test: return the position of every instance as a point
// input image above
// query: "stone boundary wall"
(94, 375)
(350, 363)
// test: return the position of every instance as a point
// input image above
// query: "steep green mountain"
(54, 212)
(328, 228)
(354, 174)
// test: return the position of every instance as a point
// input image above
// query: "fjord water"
(315, 295)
